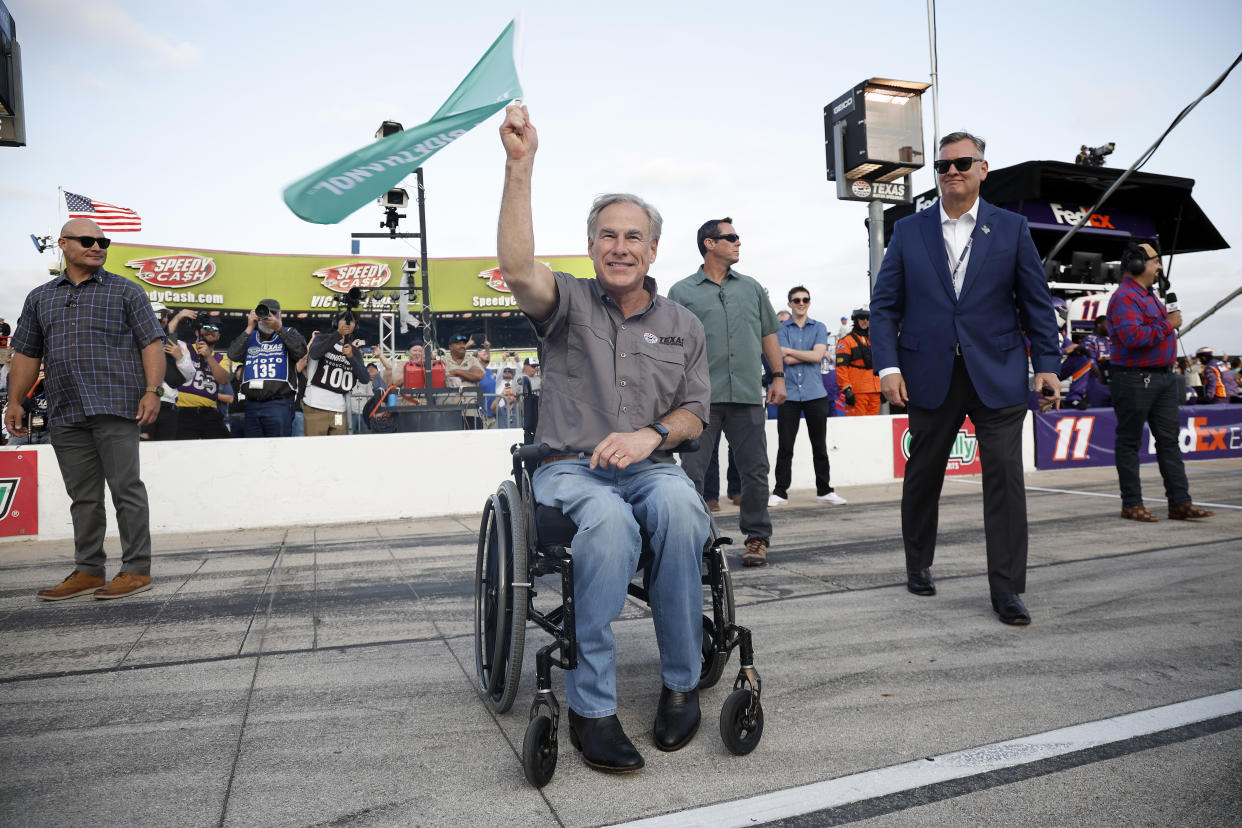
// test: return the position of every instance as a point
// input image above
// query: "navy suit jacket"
(917, 321)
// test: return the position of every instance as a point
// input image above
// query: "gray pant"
(103, 447)
(743, 426)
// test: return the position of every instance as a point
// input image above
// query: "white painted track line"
(1091, 494)
(909, 775)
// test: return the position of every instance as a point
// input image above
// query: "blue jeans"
(608, 505)
(273, 418)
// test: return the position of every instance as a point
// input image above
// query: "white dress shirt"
(956, 232)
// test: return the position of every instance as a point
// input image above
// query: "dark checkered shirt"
(1139, 328)
(89, 337)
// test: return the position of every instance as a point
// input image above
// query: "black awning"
(1147, 207)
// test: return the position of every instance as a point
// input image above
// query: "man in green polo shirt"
(741, 330)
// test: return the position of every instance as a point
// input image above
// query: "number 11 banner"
(1073, 439)
(330, 194)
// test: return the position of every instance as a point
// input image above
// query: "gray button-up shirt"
(90, 337)
(604, 373)
(736, 315)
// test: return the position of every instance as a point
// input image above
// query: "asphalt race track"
(324, 676)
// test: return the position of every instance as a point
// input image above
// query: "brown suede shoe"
(79, 583)
(126, 583)
(1186, 511)
(713, 505)
(756, 553)
(736, 499)
(1138, 513)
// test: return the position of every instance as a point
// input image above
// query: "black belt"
(1142, 369)
(545, 461)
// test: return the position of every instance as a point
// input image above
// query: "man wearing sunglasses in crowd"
(960, 283)
(103, 353)
(198, 401)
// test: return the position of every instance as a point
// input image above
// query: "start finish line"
(1072, 439)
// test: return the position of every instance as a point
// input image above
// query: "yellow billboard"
(225, 280)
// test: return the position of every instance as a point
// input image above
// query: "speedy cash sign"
(176, 271)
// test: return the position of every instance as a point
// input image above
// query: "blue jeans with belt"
(608, 505)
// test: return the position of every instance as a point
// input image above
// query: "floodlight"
(873, 138)
(388, 128)
(396, 198)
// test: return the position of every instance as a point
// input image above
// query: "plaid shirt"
(1138, 328)
(89, 337)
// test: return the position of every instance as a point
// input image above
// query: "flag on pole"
(107, 216)
(333, 192)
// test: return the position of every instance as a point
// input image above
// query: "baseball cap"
(158, 307)
(531, 361)
(460, 338)
(272, 304)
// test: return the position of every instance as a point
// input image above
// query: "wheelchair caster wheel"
(539, 752)
(741, 728)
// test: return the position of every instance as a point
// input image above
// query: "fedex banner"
(1072, 439)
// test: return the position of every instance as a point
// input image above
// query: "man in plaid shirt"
(102, 349)
(1144, 339)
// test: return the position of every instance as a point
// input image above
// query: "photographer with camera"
(198, 400)
(267, 351)
(178, 369)
(335, 365)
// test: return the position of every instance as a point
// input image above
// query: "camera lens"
(262, 311)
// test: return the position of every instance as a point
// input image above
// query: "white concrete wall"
(204, 485)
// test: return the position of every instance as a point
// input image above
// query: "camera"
(262, 311)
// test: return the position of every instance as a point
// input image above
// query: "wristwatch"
(776, 374)
(661, 430)
(157, 390)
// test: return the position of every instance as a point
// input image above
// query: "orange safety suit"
(855, 371)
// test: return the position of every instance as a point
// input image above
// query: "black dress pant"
(200, 423)
(932, 434)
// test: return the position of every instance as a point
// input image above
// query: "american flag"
(107, 216)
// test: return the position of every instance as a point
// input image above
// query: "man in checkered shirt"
(102, 350)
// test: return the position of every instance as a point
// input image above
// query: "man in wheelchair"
(625, 378)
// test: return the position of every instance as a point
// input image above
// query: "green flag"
(332, 193)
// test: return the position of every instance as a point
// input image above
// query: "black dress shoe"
(920, 582)
(677, 719)
(604, 744)
(1010, 609)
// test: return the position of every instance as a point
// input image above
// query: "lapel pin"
(986, 229)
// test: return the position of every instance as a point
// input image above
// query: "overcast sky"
(198, 114)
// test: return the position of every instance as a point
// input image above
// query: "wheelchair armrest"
(532, 451)
(685, 447)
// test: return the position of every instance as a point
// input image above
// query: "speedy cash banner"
(218, 279)
(1074, 439)
(963, 457)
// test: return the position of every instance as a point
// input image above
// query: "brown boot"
(713, 505)
(126, 583)
(756, 553)
(1138, 513)
(79, 583)
(1188, 510)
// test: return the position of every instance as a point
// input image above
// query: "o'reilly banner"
(223, 280)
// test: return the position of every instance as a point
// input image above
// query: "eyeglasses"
(89, 241)
(800, 300)
(729, 237)
(962, 164)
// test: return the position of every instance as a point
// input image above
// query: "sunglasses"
(801, 300)
(729, 237)
(962, 164)
(211, 328)
(89, 241)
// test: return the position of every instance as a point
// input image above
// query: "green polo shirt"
(736, 316)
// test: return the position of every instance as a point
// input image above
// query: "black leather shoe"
(604, 744)
(920, 582)
(1010, 609)
(677, 719)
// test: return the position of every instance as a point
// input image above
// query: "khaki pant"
(320, 423)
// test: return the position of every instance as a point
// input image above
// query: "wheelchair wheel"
(741, 728)
(539, 752)
(499, 606)
(713, 662)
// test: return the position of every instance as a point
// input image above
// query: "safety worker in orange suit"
(858, 382)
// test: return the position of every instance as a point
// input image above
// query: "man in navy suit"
(960, 283)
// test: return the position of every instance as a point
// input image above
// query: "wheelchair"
(521, 541)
